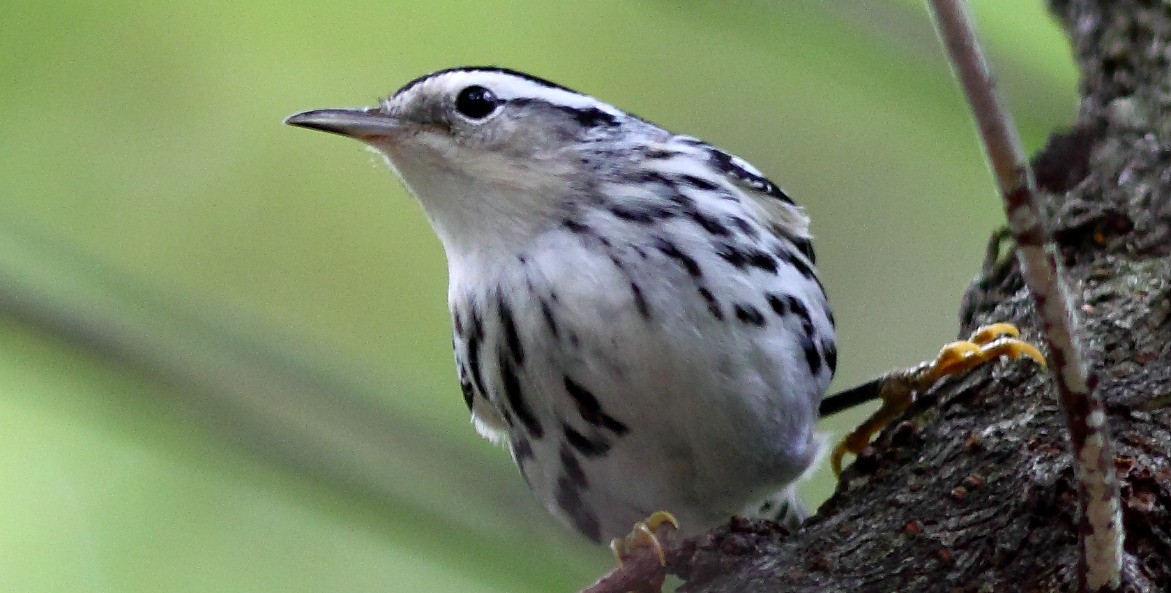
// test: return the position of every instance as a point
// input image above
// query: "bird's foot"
(645, 535)
(899, 388)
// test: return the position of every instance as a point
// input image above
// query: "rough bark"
(973, 489)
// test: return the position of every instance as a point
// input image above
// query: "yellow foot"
(988, 343)
(645, 535)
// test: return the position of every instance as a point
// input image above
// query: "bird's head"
(491, 154)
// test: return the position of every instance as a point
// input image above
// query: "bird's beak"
(365, 124)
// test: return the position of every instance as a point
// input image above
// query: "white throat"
(483, 214)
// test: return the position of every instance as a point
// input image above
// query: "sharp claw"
(1014, 348)
(951, 356)
(644, 535)
(987, 333)
(661, 518)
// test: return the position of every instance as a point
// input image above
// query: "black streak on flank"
(522, 450)
(698, 182)
(522, 453)
(732, 255)
(784, 304)
(569, 499)
(794, 260)
(474, 363)
(649, 177)
(617, 262)
(749, 314)
(640, 300)
(742, 258)
(511, 337)
(831, 356)
(572, 468)
(672, 251)
(805, 246)
(798, 308)
(466, 387)
(550, 319)
(632, 215)
(516, 399)
(686, 203)
(745, 227)
(585, 445)
(576, 227)
(568, 496)
(641, 214)
(812, 356)
(712, 304)
(591, 409)
(475, 337)
(779, 304)
(457, 321)
(762, 260)
(709, 223)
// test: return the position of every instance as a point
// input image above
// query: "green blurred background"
(224, 346)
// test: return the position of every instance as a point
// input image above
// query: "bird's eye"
(476, 102)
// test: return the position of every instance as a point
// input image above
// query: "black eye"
(476, 102)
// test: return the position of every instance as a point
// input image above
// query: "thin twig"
(1099, 532)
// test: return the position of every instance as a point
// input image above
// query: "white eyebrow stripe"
(508, 86)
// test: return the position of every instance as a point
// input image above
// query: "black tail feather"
(854, 396)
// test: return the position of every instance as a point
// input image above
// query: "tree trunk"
(973, 488)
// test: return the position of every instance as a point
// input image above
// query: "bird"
(637, 315)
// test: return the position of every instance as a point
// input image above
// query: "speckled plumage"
(636, 313)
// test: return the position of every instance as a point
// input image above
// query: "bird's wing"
(776, 208)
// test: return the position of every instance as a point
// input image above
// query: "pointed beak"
(365, 124)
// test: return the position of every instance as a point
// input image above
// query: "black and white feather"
(637, 314)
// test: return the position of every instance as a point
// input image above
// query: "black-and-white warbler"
(636, 313)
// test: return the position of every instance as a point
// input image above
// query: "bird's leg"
(899, 388)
